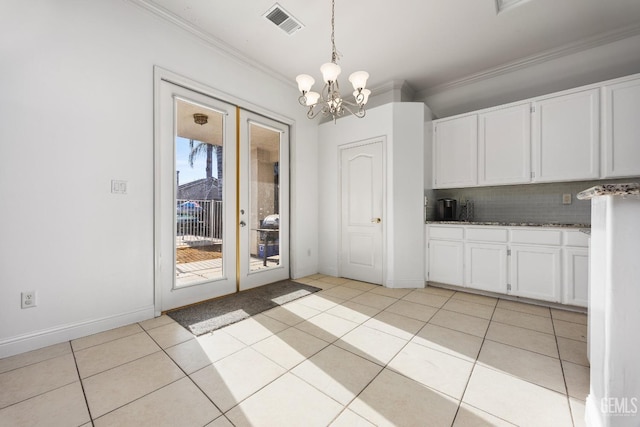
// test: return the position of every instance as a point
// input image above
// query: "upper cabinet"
(566, 137)
(621, 129)
(504, 146)
(455, 152)
(583, 134)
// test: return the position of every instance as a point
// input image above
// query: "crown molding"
(213, 42)
(549, 55)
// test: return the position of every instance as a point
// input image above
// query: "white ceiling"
(427, 43)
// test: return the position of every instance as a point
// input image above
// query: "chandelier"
(330, 102)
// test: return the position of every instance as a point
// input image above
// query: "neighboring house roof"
(202, 189)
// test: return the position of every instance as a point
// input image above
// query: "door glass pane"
(199, 195)
(264, 197)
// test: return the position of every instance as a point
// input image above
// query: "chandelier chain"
(334, 53)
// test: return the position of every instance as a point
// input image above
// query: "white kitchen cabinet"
(546, 264)
(486, 266)
(576, 276)
(535, 272)
(504, 146)
(446, 261)
(456, 152)
(566, 137)
(621, 129)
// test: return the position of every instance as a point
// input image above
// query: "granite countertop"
(632, 188)
(512, 224)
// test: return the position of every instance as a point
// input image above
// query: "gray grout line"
(84, 393)
(475, 362)
(564, 377)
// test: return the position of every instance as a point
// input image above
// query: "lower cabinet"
(445, 262)
(576, 276)
(486, 267)
(535, 272)
(544, 264)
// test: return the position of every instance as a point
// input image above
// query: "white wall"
(403, 126)
(76, 112)
(349, 129)
(408, 188)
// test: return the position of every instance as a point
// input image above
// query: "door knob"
(243, 224)
(376, 220)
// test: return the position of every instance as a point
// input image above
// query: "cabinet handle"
(376, 220)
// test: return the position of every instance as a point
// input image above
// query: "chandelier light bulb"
(330, 72)
(312, 98)
(305, 82)
(359, 79)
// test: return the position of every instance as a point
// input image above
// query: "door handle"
(243, 224)
(376, 220)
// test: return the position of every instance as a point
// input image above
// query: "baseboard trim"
(58, 334)
(298, 274)
(329, 272)
(405, 284)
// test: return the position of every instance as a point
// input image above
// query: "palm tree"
(197, 150)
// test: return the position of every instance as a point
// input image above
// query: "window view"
(264, 239)
(199, 195)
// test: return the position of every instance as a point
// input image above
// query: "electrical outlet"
(566, 199)
(28, 299)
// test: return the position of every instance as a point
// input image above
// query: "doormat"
(215, 314)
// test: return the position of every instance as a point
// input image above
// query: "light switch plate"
(118, 186)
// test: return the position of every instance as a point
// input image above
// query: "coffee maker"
(447, 209)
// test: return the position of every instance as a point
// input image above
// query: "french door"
(221, 208)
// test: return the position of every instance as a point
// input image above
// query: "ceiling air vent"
(283, 19)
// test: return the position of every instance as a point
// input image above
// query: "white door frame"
(385, 220)
(161, 74)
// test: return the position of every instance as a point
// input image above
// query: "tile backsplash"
(535, 203)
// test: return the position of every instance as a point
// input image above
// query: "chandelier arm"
(311, 113)
(352, 104)
(360, 113)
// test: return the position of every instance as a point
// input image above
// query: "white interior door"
(361, 188)
(263, 200)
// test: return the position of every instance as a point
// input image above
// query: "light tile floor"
(353, 354)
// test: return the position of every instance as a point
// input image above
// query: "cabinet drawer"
(454, 233)
(537, 237)
(576, 238)
(500, 235)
